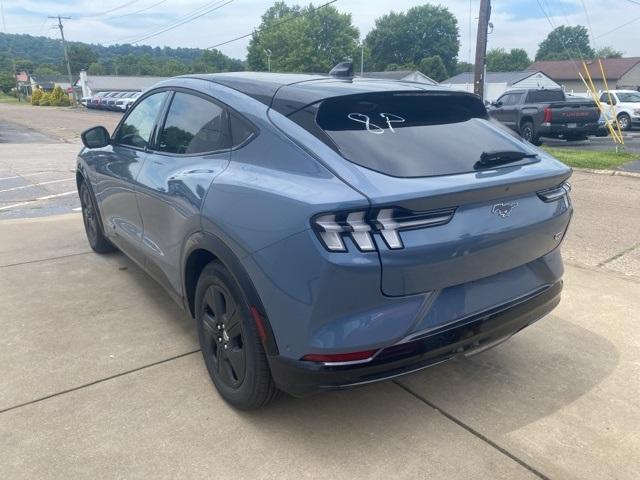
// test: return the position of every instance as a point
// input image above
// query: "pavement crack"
(618, 255)
(27, 262)
(473, 432)
(101, 380)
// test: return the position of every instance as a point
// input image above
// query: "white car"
(124, 103)
(626, 106)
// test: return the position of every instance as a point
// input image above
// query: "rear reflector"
(340, 357)
(259, 321)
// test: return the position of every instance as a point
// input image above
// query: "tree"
(608, 52)
(422, 31)
(302, 39)
(499, 60)
(45, 71)
(96, 69)
(463, 67)
(434, 68)
(80, 57)
(7, 82)
(565, 43)
(212, 61)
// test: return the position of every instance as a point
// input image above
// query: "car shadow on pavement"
(531, 376)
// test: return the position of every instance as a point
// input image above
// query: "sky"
(517, 23)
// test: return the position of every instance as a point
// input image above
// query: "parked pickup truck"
(547, 113)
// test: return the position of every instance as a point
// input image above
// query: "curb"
(617, 173)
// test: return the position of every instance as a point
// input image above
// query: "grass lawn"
(10, 99)
(592, 159)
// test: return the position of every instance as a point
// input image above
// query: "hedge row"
(55, 97)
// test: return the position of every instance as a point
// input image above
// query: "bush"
(36, 96)
(45, 101)
(56, 96)
(65, 101)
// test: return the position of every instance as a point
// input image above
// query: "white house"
(496, 83)
(92, 84)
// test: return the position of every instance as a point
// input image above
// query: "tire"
(92, 225)
(229, 340)
(528, 133)
(624, 121)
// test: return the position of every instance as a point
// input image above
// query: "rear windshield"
(543, 96)
(408, 134)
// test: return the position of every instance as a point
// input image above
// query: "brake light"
(361, 226)
(350, 357)
(547, 115)
(556, 193)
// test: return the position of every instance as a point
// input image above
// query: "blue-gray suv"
(328, 232)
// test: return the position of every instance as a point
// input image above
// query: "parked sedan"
(122, 104)
(328, 232)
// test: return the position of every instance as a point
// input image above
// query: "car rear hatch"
(439, 215)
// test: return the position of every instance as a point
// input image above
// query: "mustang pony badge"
(504, 209)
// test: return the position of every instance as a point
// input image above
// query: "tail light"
(341, 358)
(547, 115)
(361, 226)
(556, 193)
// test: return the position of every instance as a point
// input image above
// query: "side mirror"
(96, 137)
(496, 104)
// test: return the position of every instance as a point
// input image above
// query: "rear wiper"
(501, 157)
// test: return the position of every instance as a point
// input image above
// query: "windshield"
(629, 97)
(408, 134)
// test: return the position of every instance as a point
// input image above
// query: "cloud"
(517, 23)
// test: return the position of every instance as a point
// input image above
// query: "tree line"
(294, 38)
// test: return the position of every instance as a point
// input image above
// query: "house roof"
(493, 77)
(116, 82)
(59, 79)
(399, 75)
(614, 68)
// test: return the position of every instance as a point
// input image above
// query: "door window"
(135, 130)
(194, 125)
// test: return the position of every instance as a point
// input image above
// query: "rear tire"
(528, 133)
(92, 225)
(229, 340)
(624, 121)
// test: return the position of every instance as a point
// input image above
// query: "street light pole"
(268, 52)
(66, 57)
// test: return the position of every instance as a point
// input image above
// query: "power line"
(618, 27)
(137, 11)
(288, 19)
(188, 17)
(586, 13)
(120, 7)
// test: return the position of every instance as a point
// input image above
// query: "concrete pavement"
(101, 378)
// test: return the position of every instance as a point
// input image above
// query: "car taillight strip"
(556, 193)
(388, 222)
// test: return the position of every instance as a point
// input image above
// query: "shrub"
(56, 96)
(45, 101)
(36, 96)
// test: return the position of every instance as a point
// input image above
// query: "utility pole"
(481, 47)
(362, 59)
(66, 57)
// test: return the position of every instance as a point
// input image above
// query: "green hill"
(44, 55)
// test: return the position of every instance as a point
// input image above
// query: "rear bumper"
(465, 337)
(565, 130)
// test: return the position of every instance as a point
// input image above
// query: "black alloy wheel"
(222, 329)
(229, 340)
(97, 240)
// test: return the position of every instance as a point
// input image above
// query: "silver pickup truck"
(547, 113)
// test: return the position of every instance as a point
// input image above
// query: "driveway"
(102, 378)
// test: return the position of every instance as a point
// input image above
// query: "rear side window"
(136, 129)
(543, 96)
(406, 134)
(194, 125)
(240, 130)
